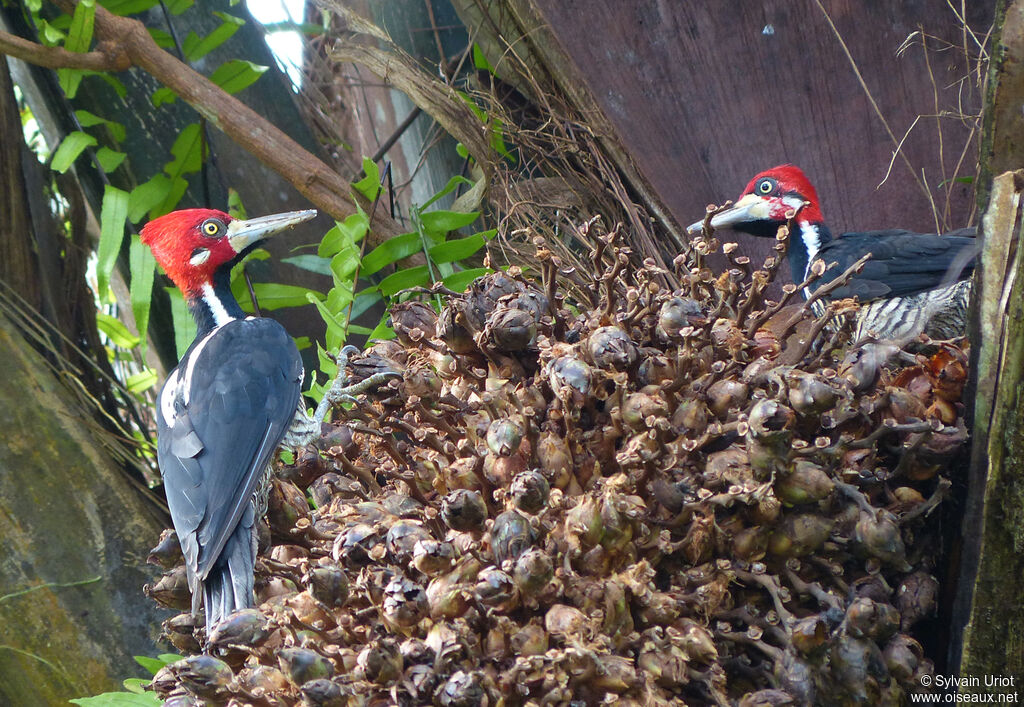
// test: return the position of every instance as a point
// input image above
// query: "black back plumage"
(234, 395)
(902, 264)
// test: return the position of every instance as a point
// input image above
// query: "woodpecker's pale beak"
(242, 234)
(750, 208)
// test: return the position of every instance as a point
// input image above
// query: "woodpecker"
(226, 407)
(913, 282)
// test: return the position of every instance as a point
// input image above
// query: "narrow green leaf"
(163, 96)
(187, 151)
(273, 295)
(141, 381)
(177, 190)
(344, 264)
(235, 206)
(458, 249)
(163, 39)
(69, 150)
(142, 267)
(442, 221)
(480, 61)
(119, 699)
(169, 658)
(451, 186)
(109, 159)
(344, 233)
(115, 330)
(306, 28)
(146, 196)
(78, 41)
(459, 281)
(195, 48)
(382, 332)
(369, 185)
(108, 78)
(50, 35)
(153, 665)
(136, 685)
(113, 214)
(128, 7)
(391, 251)
(302, 342)
(89, 120)
(234, 75)
(184, 325)
(335, 328)
(404, 279)
(311, 263)
(176, 7)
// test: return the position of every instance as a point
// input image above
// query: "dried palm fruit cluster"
(655, 497)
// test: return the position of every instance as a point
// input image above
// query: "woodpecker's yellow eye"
(212, 227)
(766, 186)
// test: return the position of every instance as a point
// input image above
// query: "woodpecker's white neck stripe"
(811, 239)
(217, 308)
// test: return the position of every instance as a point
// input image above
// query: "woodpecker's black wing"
(222, 413)
(902, 263)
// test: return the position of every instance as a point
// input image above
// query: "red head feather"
(190, 245)
(786, 181)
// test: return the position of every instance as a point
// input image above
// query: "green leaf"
(89, 120)
(146, 196)
(128, 7)
(176, 7)
(236, 208)
(119, 88)
(306, 28)
(302, 342)
(50, 35)
(344, 264)
(163, 96)
(369, 186)
(480, 61)
(335, 327)
(184, 325)
(177, 190)
(116, 331)
(163, 39)
(237, 74)
(382, 332)
(141, 381)
(142, 267)
(344, 233)
(69, 150)
(152, 665)
(442, 221)
(136, 685)
(459, 281)
(169, 658)
(273, 295)
(195, 48)
(113, 214)
(287, 456)
(391, 251)
(187, 152)
(404, 279)
(451, 186)
(78, 41)
(311, 263)
(119, 699)
(460, 248)
(109, 159)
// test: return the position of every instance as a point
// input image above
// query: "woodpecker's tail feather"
(229, 586)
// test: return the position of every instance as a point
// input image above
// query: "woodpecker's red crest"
(785, 188)
(190, 245)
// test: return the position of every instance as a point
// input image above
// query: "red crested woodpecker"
(226, 407)
(912, 283)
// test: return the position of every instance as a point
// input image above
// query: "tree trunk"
(68, 516)
(989, 606)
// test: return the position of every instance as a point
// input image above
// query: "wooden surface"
(705, 95)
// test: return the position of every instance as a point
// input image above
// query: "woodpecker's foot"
(339, 392)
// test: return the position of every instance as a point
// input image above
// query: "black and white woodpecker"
(224, 410)
(912, 283)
